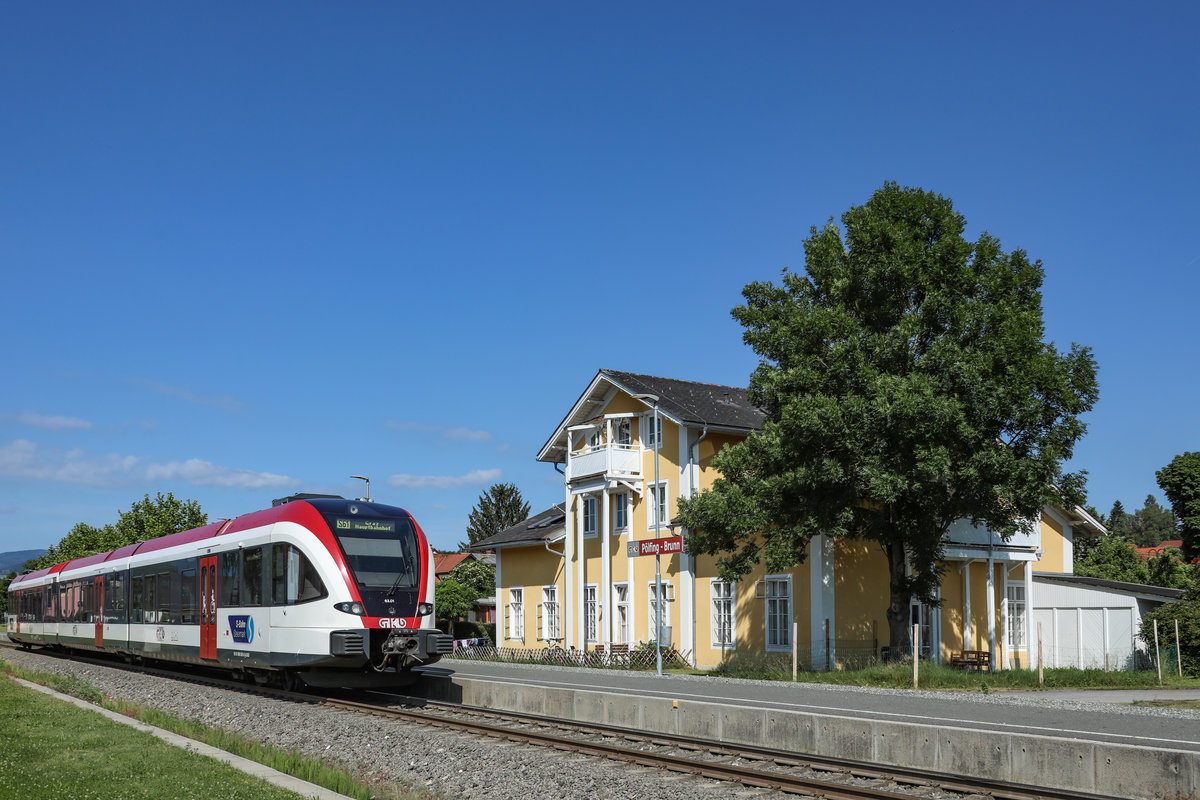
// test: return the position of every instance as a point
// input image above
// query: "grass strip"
(50, 749)
(327, 774)
(940, 676)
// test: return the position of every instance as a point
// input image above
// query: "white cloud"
(476, 478)
(457, 434)
(48, 422)
(221, 401)
(204, 473)
(25, 459)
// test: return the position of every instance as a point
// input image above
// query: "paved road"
(1077, 715)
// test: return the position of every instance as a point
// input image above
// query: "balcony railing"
(606, 459)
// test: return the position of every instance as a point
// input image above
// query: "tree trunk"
(900, 639)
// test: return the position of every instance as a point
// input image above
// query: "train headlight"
(354, 607)
(424, 609)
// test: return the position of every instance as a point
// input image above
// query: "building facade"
(629, 448)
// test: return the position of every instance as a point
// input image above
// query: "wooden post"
(795, 630)
(916, 636)
(1157, 655)
(1178, 652)
(827, 659)
(875, 637)
(1041, 676)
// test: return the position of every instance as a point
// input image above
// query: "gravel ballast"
(437, 761)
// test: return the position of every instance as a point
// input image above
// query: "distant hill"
(12, 560)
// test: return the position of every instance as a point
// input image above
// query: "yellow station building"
(567, 577)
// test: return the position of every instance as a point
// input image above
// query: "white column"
(1030, 646)
(569, 556)
(821, 599)
(581, 573)
(605, 593)
(991, 611)
(1005, 656)
(687, 577)
(968, 631)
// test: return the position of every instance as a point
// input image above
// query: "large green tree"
(497, 509)
(147, 518)
(1180, 482)
(906, 385)
(1151, 525)
(1114, 559)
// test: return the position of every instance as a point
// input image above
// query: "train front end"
(388, 566)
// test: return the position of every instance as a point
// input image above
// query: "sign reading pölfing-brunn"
(655, 547)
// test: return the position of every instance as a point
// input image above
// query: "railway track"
(756, 767)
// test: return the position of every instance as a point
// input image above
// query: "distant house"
(1147, 553)
(444, 564)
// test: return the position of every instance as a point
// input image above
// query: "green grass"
(330, 776)
(936, 676)
(51, 750)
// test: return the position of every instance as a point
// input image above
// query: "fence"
(614, 659)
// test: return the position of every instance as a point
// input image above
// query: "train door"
(98, 610)
(208, 607)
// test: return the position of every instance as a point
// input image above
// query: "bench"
(971, 659)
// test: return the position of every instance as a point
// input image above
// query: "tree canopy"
(906, 385)
(1180, 482)
(146, 519)
(453, 600)
(476, 575)
(497, 509)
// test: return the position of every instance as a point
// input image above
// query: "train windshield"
(381, 553)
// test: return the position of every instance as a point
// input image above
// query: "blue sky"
(250, 249)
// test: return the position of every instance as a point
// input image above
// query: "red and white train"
(326, 591)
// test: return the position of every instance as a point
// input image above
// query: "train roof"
(298, 510)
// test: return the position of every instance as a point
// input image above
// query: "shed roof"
(546, 526)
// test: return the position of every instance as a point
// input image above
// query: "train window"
(252, 577)
(136, 601)
(294, 577)
(166, 615)
(114, 598)
(188, 612)
(150, 606)
(230, 575)
(381, 554)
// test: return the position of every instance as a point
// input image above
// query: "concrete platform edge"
(1118, 770)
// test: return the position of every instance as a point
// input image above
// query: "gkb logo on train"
(242, 628)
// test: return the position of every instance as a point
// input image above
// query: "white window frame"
(777, 605)
(516, 614)
(591, 613)
(724, 607)
(1014, 629)
(623, 433)
(653, 504)
(623, 621)
(621, 511)
(668, 592)
(647, 430)
(551, 622)
(591, 517)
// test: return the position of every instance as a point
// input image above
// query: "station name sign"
(656, 547)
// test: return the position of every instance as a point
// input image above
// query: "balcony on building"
(604, 448)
